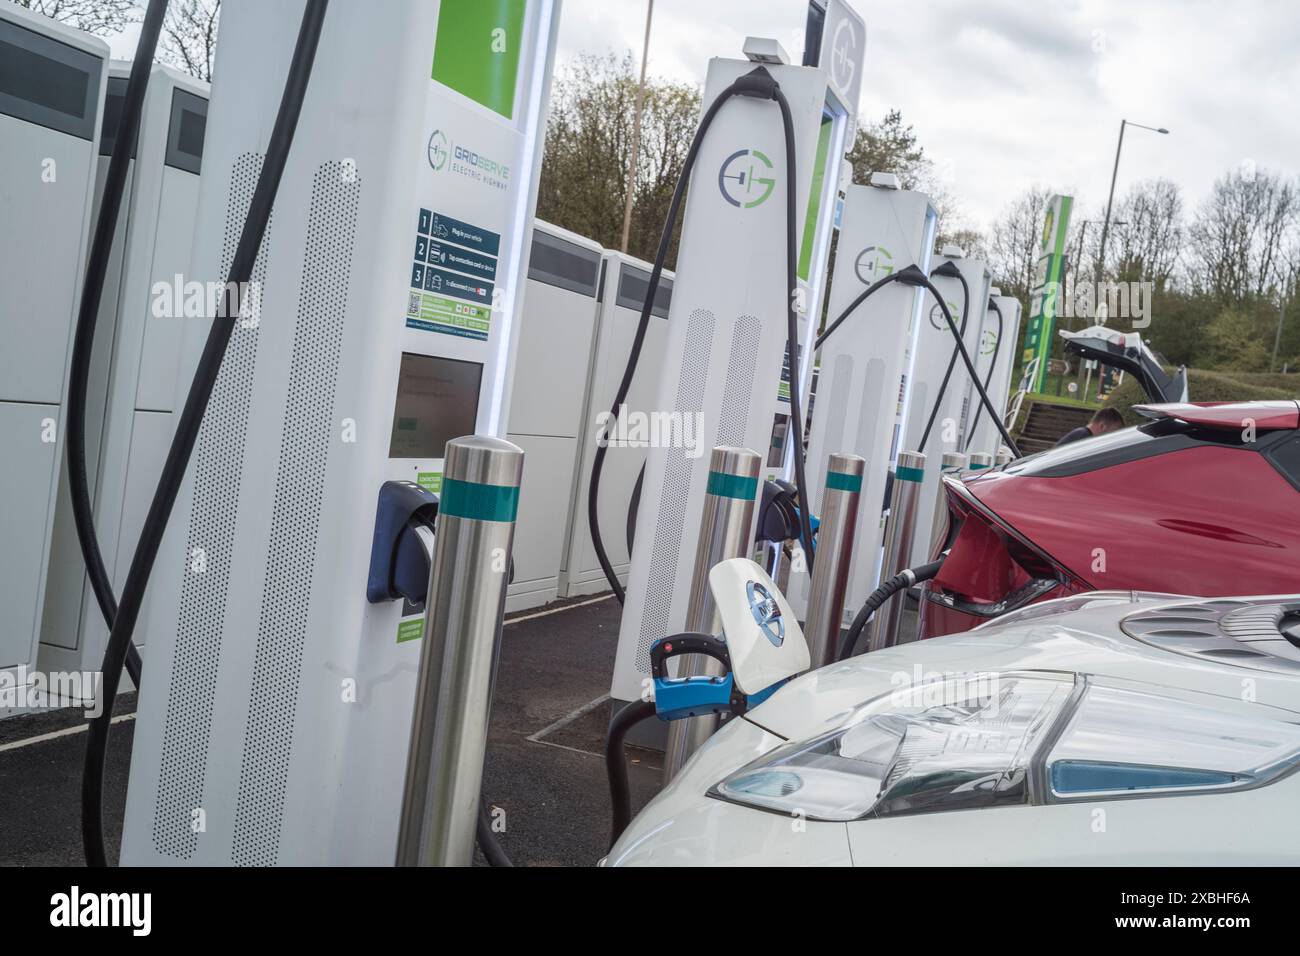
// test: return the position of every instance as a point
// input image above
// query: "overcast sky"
(1008, 93)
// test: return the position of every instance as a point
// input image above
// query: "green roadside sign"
(1044, 296)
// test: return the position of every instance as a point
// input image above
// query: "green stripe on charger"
(910, 474)
(477, 502)
(839, 481)
(732, 486)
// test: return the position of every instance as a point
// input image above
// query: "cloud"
(1008, 94)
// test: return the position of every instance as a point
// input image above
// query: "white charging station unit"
(136, 362)
(727, 330)
(557, 329)
(863, 381)
(933, 349)
(52, 85)
(1000, 351)
(625, 280)
(274, 728)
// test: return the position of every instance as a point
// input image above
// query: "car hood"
(1080, 634)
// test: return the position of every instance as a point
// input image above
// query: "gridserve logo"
(872, 263)
(443, 153)
(844, 51)
(741, 178)
(438, 150)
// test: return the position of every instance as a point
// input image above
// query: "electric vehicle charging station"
(277, 685)
(932, 352)
(984, 436)
(557, 329)
(727, 335)
(864, 379)
(625, 280)
(51, 100)
(136, 362)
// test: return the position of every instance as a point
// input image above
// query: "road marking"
(567, 719)
(556, 610)
(65, 732)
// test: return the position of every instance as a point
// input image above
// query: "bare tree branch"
(100, 17)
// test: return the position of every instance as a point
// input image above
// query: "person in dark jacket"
(1106, 420)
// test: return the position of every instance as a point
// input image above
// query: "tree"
(1146, 234)
(972, 242)
(100, 17)
(189, 36)
(1240, 233)
(888, 146)
(1233, 341)
(1014, 243)
(589, 141)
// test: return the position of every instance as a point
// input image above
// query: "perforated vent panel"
(667, 542)
(295, 522)
(738, 392)
(218, 465)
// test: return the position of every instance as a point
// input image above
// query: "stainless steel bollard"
(462, 624)
(951, 463)
(1003, 456)
(726, 530)
(908, 475)
(835, 535)
(980, 460)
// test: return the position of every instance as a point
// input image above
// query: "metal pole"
(908, 476)
(726, 531)
(830, 577)
(1004, 456)
(951, 463)
(467, 594)
(980, 460)
(636, 131)
(1277, 338)
(1105, 224)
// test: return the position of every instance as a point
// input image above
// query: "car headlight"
(983, 740)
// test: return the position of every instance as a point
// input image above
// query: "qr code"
(413, 303)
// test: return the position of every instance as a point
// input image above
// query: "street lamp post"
(1105, 225)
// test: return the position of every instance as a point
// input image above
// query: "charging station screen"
(437, 400)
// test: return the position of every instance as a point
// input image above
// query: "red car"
(1202, 500)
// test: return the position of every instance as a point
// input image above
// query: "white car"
(1103, 729)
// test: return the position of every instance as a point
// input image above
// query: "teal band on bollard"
(839, 481)
(977, 467)
(469, 499)
(910, 474)
(732, 486)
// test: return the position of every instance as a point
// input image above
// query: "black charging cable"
(988, 377)
(92, 294)
(949, 270)
(760, 84)
(900, 581)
